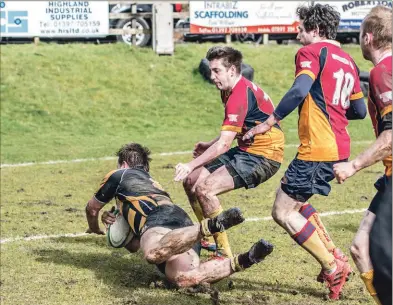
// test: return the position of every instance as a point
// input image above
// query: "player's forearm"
(92, 220)
(92, 213)
(218, 148)
(381, 149)
(214, 141)
(357, 110)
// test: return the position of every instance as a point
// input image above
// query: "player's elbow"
(362, 113)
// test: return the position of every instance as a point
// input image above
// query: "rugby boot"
(221, 222)
(255, 255)
(336, 281)
(338, 255)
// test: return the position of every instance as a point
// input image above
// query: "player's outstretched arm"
(218, 148)
(381, 149)
(93, 208)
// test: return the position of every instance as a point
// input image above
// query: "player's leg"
(361, 254)
(189, 185)
(381, 241)
(308, 212)
(303, 179)
(240, 169)
(159, 243)
(185, 270)
(311, 214)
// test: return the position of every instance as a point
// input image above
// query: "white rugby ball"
(119, 233)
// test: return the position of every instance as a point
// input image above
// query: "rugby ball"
(119, 233)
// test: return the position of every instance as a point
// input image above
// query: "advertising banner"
(236, 17)
(353, 12)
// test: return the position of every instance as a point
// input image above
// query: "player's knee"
(154, 257)
(187, 184)
(279, 215)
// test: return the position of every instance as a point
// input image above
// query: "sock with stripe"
(308, 238)
(220, 238)
(308, 212)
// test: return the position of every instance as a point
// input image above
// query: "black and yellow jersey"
(136, 194)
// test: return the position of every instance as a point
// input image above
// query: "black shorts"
(306, 178)
(380, 186)
(247, 170)
(381, 241)
(171, 217)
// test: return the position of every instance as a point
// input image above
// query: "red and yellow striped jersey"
(246, 106)
(322, 121)
(380, 100)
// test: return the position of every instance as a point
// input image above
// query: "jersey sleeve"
(235, 112)
(108, 187)
(357, 92)
(307, 62)
(381, 87)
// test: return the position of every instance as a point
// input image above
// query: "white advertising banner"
(54, 18)
(229, 17)
(353, 12)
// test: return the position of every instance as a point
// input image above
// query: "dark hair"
(379, 23)
(323, 17)
(230, 56)
(134, 155)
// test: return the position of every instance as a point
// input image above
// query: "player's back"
(136, 194)
(322, 122)
(380, 100)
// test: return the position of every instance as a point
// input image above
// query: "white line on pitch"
(29, 238)
(8, 165)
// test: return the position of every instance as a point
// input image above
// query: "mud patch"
(71, 210)
(168, 166)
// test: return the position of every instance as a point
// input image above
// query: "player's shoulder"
(311, 48)
(240, 89)
(115, 174)
(384, 67)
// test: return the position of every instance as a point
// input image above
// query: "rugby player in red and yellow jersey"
(218, 168)
(376, 45)
(327, 92)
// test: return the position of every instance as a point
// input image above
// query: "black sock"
(244, 260)
(214, 226)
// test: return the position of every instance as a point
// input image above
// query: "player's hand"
(182, 171)
(343, 171)
(94, 231)
(108, 218)
(259, 129)
(200, 148)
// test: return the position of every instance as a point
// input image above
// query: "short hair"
(378, 22)
(322, 17)
(229, 55)
(135, 155)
